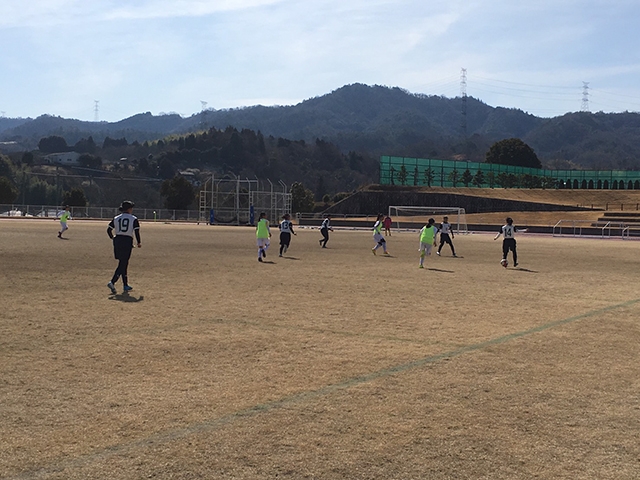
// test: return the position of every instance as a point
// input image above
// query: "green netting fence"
(450, 173)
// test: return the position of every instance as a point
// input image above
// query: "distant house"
(191, 174)
(65, 158)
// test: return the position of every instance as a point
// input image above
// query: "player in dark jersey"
(126, 227)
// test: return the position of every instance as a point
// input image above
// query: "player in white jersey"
(286, 229)
(509, 242)
(126, 227)
(324, 230)
(446, 235)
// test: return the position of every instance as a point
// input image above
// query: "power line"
(527, 84)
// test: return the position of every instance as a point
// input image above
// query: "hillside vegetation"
(376, 120)
(611, 199)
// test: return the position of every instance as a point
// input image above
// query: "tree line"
(321, 166)
(318, 172)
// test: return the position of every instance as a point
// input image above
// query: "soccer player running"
(263, 233)
(446, 235)
(286, 229)
(378, 237)
(324, 230)
(509, 241)
(126, 226)
(427, 240)
(64, 218)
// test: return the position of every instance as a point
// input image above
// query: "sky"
(107, 60)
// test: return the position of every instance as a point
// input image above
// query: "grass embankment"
(599, 200)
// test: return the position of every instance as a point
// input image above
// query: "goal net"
(405, 216)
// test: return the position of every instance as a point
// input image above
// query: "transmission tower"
(585, 97)
(96, 117)
(203, 115)
(463, 95)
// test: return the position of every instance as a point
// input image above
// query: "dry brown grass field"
(327, 363)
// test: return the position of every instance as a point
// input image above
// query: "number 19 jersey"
(125, 224)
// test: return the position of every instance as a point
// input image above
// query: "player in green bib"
(377, 236)
(64, 218)
(427, 240)
(263, 233)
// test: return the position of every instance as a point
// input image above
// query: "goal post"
(409, 216)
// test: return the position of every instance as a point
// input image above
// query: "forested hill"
(381, 120)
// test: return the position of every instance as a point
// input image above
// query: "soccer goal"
(405, 216)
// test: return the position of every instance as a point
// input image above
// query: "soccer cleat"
(387, 253)
(515, 264)
(373, 250)
(438, 253)
(420, 266)
(280, 255)
(127, 288)
(456, 256)
(112, 287)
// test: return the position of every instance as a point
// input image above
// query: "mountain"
(9, 123)
(141, 127)
(380, 120)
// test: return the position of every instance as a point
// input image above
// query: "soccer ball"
(504, 262)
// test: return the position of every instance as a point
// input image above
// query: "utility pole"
(96, 117)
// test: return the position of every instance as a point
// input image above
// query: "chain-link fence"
(54, 211)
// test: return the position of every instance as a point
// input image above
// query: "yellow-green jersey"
(427, 234)
(262, 228)
(65, 216)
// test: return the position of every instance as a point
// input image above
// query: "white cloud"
(160, 55)
(182, 8)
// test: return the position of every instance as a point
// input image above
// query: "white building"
(65, 158)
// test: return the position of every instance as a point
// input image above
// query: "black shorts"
(285, 238)
(122, 246)
(509, 244)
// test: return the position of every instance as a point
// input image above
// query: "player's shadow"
(63, 238)
(125, 297)
(440, 270)
(289, 258)
(525, 270)
(270, 262)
